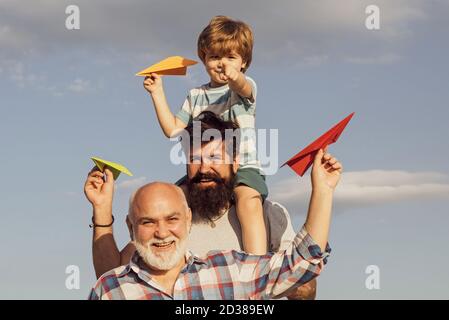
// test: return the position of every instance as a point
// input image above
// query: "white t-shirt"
(227, 233)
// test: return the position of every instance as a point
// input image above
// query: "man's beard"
(162, 260)
(207, 203)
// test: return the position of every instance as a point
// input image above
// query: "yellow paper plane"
(174, 66)
(116, 168)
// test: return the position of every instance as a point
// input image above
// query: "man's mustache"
(206, 176)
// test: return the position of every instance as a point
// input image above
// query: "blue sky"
(68, 95)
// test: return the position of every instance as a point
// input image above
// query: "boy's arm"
(168, 122)
(238, 82)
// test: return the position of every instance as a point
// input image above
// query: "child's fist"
(229, 73)
(153, 83)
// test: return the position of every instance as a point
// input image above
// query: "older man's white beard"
(163, 260)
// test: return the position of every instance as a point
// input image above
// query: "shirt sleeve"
(271, 275)
(95, 292)
(280, 226)
(185, 113)
(248, 101)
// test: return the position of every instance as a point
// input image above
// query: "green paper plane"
(116, 168)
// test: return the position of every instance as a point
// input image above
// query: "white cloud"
(131, 184)
(19, 74)
(13, 39)
(368, 188)
(381, 59)
(79, 85)
(313, 60)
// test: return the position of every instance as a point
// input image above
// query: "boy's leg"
(250, 213)
(250, 191)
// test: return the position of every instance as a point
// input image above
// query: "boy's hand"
(229, 73)
(97, 191)
(153, 83)
(326, 171)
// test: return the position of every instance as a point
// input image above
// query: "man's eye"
(216, 158)
(195, 159)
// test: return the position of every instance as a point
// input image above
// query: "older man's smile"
(163, 246)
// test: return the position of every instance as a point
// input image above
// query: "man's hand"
(326, 171)
(97, 191)
(153, 84)
(305, 292)
(229, 73)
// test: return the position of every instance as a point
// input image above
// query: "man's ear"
(130, 228)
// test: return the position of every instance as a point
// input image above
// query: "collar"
(138, 266)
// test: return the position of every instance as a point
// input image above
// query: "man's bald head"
(156, 195)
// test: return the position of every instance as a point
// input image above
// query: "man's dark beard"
(208, 203)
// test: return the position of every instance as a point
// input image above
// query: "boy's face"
(216, 63)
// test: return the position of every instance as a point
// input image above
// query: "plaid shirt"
(220, 275)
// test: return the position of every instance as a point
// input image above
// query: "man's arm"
(99, 193)
(326, 173)
(305, 292)
(127, 253)
(105, 253)
(304, 258)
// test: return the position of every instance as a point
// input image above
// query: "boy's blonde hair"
(223, 35)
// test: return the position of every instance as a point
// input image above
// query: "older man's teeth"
(163, 245)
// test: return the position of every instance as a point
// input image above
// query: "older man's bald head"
(157, 197)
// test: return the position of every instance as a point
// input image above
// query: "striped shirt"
(229, 106)
(229, 275)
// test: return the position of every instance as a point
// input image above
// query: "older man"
(208, 189)
(161, 268)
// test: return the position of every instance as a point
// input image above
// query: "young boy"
(225, 48)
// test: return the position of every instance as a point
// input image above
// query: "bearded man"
(208, 188)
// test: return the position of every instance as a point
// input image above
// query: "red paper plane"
(304, 159)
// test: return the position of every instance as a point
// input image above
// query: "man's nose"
(205, 166)
(162, 231)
